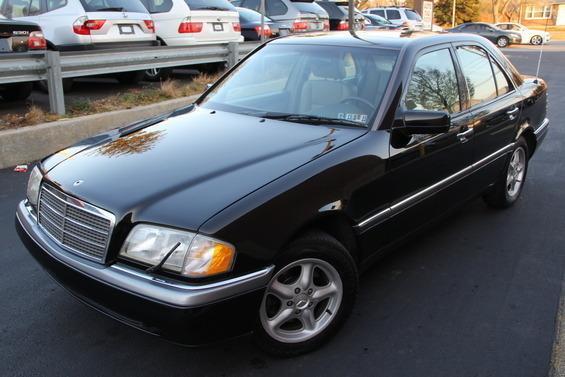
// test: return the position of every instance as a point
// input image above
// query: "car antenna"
(158, 266)
(541, 49)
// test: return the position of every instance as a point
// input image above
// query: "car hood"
(184, 169)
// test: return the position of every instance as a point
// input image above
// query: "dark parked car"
(19, 36)
(250, 22)
(375, 22)
(502, 38)
(339, 15)
(255, 208)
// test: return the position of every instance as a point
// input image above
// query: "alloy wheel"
(536, 40)
(516, 173)
(301, 300)
(502, 42)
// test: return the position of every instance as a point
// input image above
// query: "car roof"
(377, 39)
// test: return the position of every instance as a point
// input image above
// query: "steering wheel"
(358, 100)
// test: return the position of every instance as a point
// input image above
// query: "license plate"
(5, 44)
(317, 26)
(126, 29)
(218, 27)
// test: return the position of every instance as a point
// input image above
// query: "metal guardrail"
(54, 66)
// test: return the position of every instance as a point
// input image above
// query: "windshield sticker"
(354, 117)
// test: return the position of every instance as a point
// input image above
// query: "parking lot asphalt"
(477, 295)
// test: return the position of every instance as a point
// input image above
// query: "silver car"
(86, 24)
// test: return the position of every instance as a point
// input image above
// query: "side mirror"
(426, 122)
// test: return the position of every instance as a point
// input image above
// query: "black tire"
(158, 74)
(212, 68)
(318, 246)
(502, 42)
(498, 195)
(130, 78)
(536, 40)
(67, 85)
(16, 92)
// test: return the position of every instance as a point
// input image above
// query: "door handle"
(513, 112)
(464, 136)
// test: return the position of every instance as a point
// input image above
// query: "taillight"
(299, 25)
(326, 25)
(150, 25)
(236, 26)
(266, 31)
(84, 26)
(343, 25)
(190, 27)
(36, 41)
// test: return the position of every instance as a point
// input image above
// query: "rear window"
(113, 6)
(158, 6)
(210, 5)
(309, 7)
(247, 15)
(412, 15)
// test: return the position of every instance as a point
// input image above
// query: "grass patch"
(131, 98)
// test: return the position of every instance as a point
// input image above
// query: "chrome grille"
(79, 226)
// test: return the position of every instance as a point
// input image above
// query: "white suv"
(399, 16)
(86, 24)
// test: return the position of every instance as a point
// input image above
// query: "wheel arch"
(527, 132)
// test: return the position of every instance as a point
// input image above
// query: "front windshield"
(331, 82)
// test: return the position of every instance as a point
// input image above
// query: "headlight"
(196, 256)
(33, 186)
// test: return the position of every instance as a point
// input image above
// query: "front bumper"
(184, 313)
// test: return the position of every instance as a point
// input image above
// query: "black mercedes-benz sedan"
(502, 38)
(256, 208)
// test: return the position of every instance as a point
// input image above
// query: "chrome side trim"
(134, 281)
(410, 201)
(542, 127)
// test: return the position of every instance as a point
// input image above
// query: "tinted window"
(478, 74)
(252, 4)
(433, 85)
(247, 15)
(20, 8)
(502, 84)
(55, 4)
(113, 6)
(379, 12)
(309, 7)
(158, 6)
(412, 15)
(392, 14)
(210, 4)
(276, 8)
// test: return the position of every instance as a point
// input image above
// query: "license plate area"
(126, 29)
(218, 26)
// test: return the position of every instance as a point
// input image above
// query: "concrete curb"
(34, 142)
(558, 356)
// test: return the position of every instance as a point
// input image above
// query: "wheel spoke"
(308, 320)
(306, 272)
(281, 290)
(329, 290)
(282, 317)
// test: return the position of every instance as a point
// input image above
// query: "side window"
(502, 83)
(252, 4)
(379, 12)
(275, 8)
(34, 8)
(478, 73)
(21, 8)
(393, 14)
(433, 85)
(55, 4)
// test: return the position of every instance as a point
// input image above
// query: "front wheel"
(502, 42)
(508, 188)
(308, 298)
(536, 40)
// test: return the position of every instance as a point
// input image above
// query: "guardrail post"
(233, 56)
(55, 83)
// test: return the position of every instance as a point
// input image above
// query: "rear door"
(393, 15)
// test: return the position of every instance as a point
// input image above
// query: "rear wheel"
(16, 92)
(158, 74)
(130, 78)
(502, 42)
(508, 188)
(308, 298)
(536, 40)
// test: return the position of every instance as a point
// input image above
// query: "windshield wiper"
(110, 9)
(311, 119)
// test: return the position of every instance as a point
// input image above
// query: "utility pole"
(262, 32)
(453, 14)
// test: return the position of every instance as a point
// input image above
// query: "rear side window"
(502, 84)
(275, 8)
(21, 8)
(252, 4)
(158, 6)
(478, 74)
(433, 85)
(379, 12)
(393, 14)
(210, 5)
(412, 15)
(113, 6)
(55, 4)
